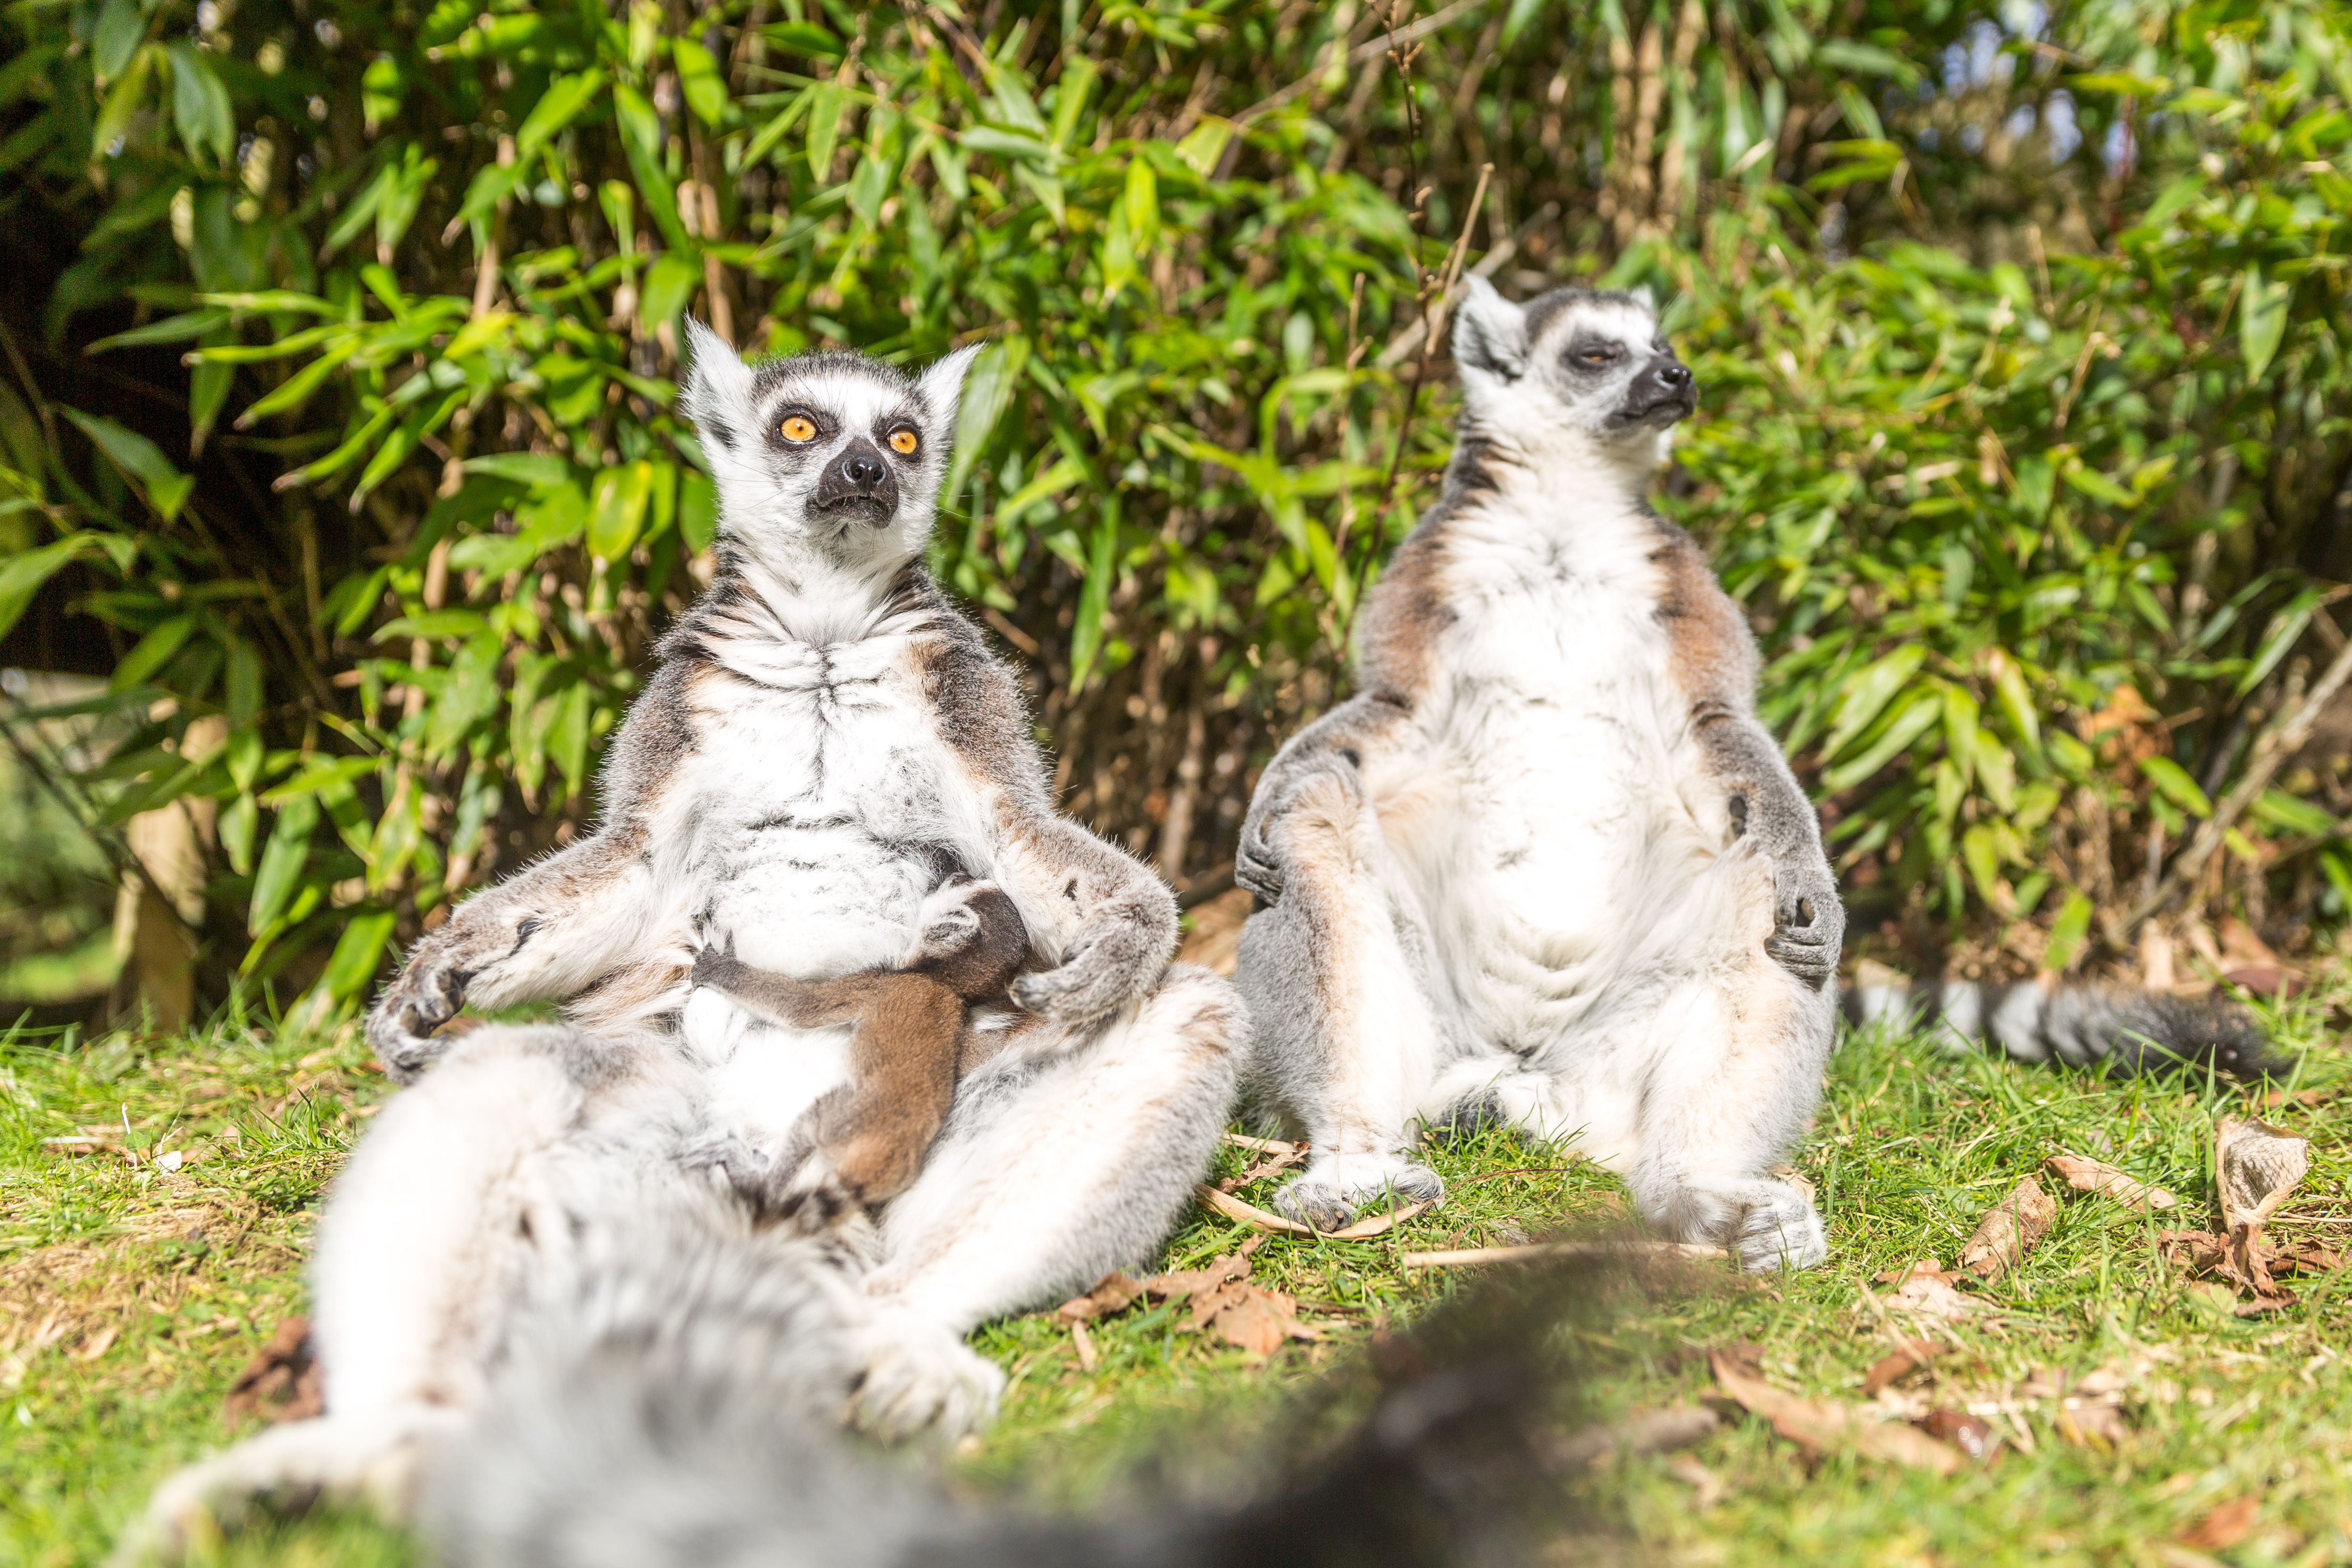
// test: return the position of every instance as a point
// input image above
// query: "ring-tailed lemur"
(1547, 867)
(826, 742)
(861, 1144)
(643, 1376)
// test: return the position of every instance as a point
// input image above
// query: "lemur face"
(1573, 361)
(835, 453)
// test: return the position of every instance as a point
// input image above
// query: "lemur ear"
(1490, 334)
(717, 392)
(1641, 296)
(943, 384)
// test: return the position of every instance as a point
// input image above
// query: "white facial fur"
(1570, 364)
(769, 485)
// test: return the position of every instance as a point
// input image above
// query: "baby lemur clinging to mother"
(863, 1141)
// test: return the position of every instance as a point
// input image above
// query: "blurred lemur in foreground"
(1547, 867)
(827, 746)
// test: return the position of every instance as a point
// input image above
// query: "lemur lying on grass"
(862, 1143)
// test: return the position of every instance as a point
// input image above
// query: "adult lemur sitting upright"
(826, 746)
(1547, 867)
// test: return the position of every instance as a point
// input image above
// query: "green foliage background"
(342, 339)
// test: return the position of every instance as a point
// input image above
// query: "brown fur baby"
(863, 1143)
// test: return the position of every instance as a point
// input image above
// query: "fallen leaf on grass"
(2259, 1165)
(1923, 1289)
(99, 1344)
(2224, 1527)
(2009, 1230)
(1085, 1343)
(283, 1381)
(1819, 1425)
(1114, 1292)
(1256, 1320)
(1906, 1356)
(2084, 1175)
(1650, 1432)
(1699, 1478)
(1970, 1434)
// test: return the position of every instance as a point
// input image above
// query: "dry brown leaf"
(1967, 1433)
(1085, 1343)
(1906, 1356)
(1257, 1321)
(1929, 1295)
(2085, 1175)
(283, 1381)
(1928, 1267)
(1648, 1432)
(1114, 1292)
(2093, 1422)
(2260, 1165)
(1819, 1426)
(2224, 1527)
(99, 1344)
(1204, 1280)
(2009, 1230)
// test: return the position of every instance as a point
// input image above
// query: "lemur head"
(822, 460)
(1573, 363)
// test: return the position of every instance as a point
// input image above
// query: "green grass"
(131, 1297)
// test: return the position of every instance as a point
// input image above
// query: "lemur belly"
(1566, 813)
(817, 827)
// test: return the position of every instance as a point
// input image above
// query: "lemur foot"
(1766, 1224)
(920, 1379)
(1331, 1198)
(1472, 1114)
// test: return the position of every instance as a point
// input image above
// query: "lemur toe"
(1315, 1203)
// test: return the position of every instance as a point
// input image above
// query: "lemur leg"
(551, 931)
(1340, 987)
(1718, 1048)
(426, 1239)
(1056, 1166)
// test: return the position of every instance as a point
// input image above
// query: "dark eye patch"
(827, 427)
(1594, 355)
(897, 420)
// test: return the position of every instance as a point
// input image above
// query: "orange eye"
(800, 427)
(904, 442)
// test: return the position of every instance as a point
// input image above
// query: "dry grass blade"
(2102, 1180)
(1648, 1432)
(2009, 1230)
(1364, 1229)
(1823, 1426)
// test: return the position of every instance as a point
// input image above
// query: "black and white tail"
(2079, 1024)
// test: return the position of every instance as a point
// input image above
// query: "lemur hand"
(1116, 957)
(1807, 923)
(1257, 861)
(721, 971)
(425, 996)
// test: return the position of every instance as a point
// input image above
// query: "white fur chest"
(816, 810)
(1549, 721)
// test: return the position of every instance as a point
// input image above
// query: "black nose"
(1674, 374)
(858, 483)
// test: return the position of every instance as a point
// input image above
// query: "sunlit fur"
(826, 742)
(1546, 868)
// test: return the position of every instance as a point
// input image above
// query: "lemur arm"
(551, 931)
(1111, 920)
(1335, 740)
(1713, 663)
(1766, 803)
(779, 998)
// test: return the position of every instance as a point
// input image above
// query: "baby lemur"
(862, 1142)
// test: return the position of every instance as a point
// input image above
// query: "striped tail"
(2076, 1023)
